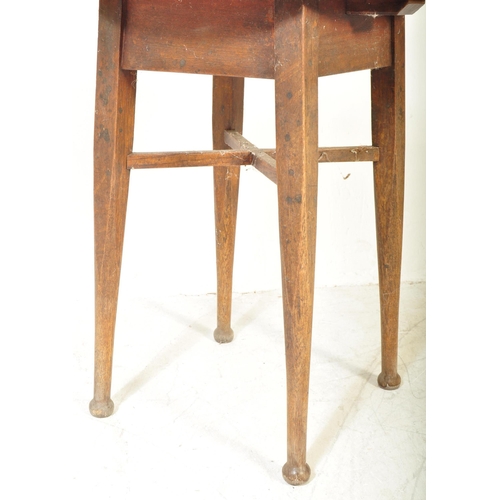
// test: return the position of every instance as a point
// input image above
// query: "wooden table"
(294, 42)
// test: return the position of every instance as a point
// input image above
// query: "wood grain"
(261, 160)
(113, 137)
(177, 159)
(235, 157)
(229, 38)
(388, 131)
(235, 38)
(227, 113)
(351, 43)
(296, 53)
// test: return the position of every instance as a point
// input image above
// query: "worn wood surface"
(227, 113)
(235, 38)
(388, 131)
(351, 43)
(235, 157)
(341, 154)
(232, 37)
(176, 159)
(296, 61)
(113, 137)
(348, 154)
(261, 160)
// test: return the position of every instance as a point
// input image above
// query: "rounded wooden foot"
(388, 382)
(223, 336)
(101, 409)
(296, 475)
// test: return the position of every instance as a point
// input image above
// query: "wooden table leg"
(114, 124)
(388, 130)
(296, 63)
(227, 114)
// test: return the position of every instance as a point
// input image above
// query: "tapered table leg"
(114, 123)
(227, 114)
(388, 130)
(296, 49)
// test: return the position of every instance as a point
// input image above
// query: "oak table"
(294, 42)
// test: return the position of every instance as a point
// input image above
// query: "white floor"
(195, 419)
